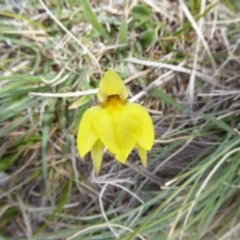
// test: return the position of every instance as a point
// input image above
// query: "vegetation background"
(179, 59)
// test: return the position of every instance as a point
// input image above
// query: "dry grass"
(180, 59)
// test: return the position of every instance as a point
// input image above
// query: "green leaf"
(234, 5)
(188, 25)
(6, 162)
(7, 217)
(63, 199)
(141, 12)
(80, 102)
(45, 132)
(148, 37)
(218, 122)
(123, 31)
(166, 98)
(92, 18)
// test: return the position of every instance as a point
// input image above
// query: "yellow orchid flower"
(115, 123)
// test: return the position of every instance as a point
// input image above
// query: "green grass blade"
(123, 31)
(92, 18)
(166, 98)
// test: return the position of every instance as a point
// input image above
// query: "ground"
(179, 59)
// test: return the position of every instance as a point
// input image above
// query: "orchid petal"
(111, 84)
(119, 129)
(97, 154)
(143, 155)
(146, 139)
(86, 136)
